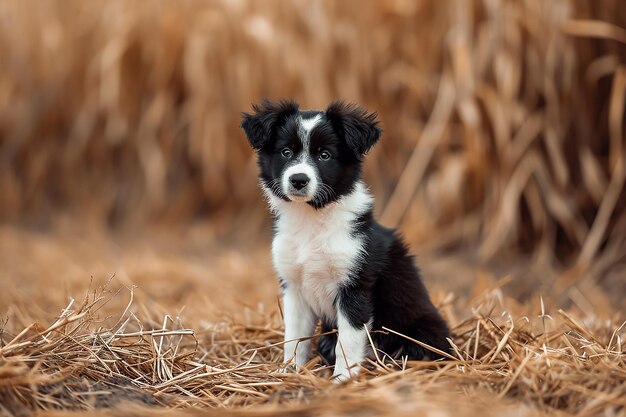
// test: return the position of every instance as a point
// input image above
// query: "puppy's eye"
(324, 155)
(286, 152)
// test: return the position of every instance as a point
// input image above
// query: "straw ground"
(176, 342)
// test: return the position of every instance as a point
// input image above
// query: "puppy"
(335, 263)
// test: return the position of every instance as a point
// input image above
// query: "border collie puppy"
(335, 263)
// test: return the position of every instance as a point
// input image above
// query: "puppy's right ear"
(261, 125)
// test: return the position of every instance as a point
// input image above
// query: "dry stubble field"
(169, 320)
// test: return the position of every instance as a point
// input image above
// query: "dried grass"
(504, 120)
(84, 361)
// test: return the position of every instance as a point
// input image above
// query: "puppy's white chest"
(315, 256)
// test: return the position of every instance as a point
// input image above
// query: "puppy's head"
(311, 157)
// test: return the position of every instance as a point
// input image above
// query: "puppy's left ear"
(260, 126)
(355, 125)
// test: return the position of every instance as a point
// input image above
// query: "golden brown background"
(502, 157)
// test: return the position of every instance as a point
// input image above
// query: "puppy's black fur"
(389, 289)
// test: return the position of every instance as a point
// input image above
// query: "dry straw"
(504, 120)
(549, 363)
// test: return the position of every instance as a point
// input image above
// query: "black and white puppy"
(335, 263)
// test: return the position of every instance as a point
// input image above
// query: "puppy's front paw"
(339, 378)
(343, 374)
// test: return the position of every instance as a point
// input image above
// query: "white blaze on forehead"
(303, 164)
(305, 126)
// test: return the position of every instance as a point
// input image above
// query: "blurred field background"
(502, 162)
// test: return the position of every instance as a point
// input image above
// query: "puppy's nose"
(299, 181)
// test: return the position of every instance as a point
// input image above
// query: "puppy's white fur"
(299, 323)
(314, 251)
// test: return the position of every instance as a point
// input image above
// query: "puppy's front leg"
(351, 347)
(299, 323)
